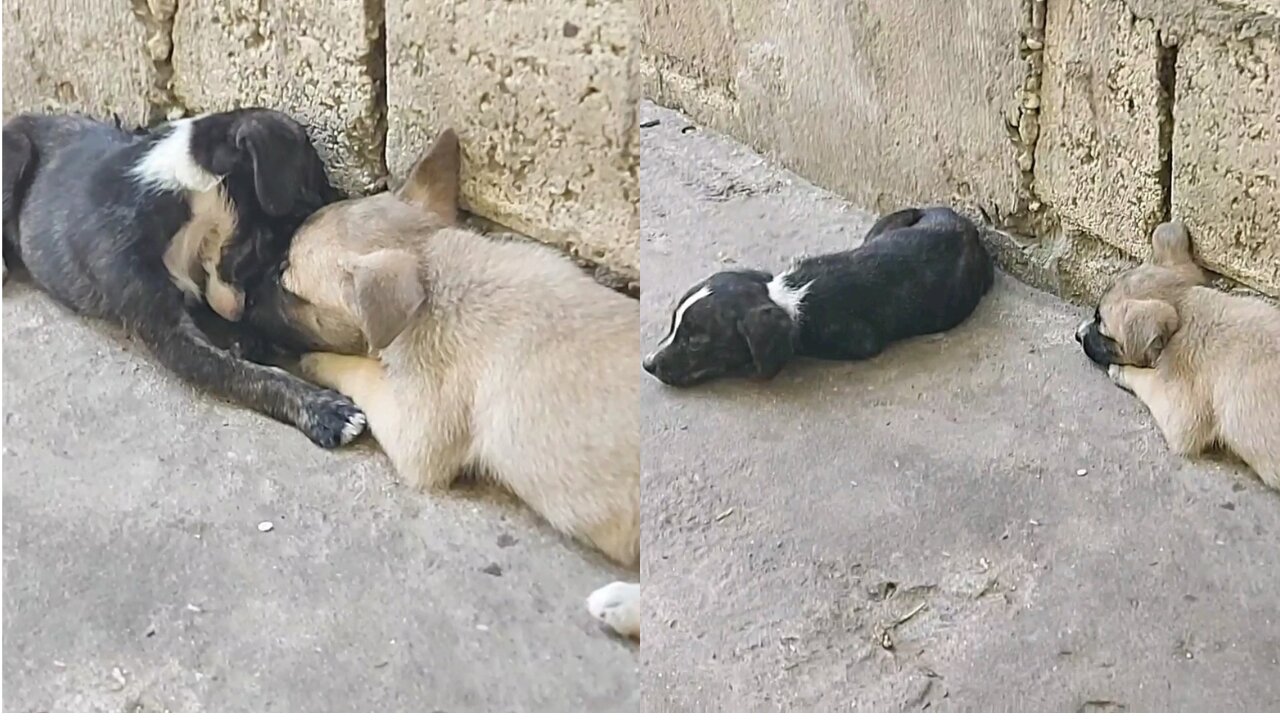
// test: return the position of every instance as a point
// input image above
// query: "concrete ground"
(136, 578)
(980, 521)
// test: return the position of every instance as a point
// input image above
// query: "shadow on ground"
(978, 521)
(135, 576)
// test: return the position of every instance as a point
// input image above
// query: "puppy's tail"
(20, 159)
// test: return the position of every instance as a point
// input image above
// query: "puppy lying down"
(1206, 363)
(158, 229)
(468, 352)
(919, 271)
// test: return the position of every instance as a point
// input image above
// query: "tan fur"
(498, 356)
(1206, 363)
(193, 253)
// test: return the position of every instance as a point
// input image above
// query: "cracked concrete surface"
(977, 521)
(136, 578)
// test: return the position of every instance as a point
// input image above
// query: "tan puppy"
(1206, 363)
(467, 352)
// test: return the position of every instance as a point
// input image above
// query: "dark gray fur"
(918, 271)
(93, 237)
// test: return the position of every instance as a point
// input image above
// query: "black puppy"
(134, 225)
(919, 271)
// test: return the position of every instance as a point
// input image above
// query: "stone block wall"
(1075, 126)
(542, 92)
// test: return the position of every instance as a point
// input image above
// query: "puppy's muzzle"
(650, 363)
(1082, 331)
(660, 367)
(1098, 348)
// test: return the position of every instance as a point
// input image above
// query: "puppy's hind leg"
(618, 606)
(1185, 429)
(1251, 433)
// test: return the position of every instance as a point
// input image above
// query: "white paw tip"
(618, 606)
(353, 427)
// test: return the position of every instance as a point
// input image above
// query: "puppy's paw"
(1116, 373)
(314, 367)
(331, 420)
(618, 606)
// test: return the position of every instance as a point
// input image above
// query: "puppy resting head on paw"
(1138, 313)
(726, 325)
(352, 281)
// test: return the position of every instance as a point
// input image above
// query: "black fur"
(93, 237)
(919, 271)
(1099, 348)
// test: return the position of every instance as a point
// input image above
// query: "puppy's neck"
(168, 165)
(787, 297)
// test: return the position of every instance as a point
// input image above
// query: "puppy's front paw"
(618, 606)
(315, 367)
(1116, 373)
(331, 420)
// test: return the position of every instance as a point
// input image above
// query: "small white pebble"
(194, 608)
(482, 628)
(1034, 522)
(1082, 472)
(265, 526)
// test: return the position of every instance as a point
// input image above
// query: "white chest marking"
(786, 297)
(168, 164)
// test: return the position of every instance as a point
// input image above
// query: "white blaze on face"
(701, 293)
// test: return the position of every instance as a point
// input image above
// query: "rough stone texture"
(1226, 172)
(853, 95)
(1071, 264)
(1054, 120)
(135, 576)
(320, 60)
(543, 95)
(1099, 161)
(104, 32)
(699, 35)
(949, 467)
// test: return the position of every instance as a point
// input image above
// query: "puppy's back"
(1230, 346)
(553, 355)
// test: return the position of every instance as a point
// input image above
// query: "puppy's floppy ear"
(1171, 244)
(287, 172)
(1148, 325)
(434, 180)
(768, 329)
(384, 293)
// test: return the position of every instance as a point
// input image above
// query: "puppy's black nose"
(1081, 331)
